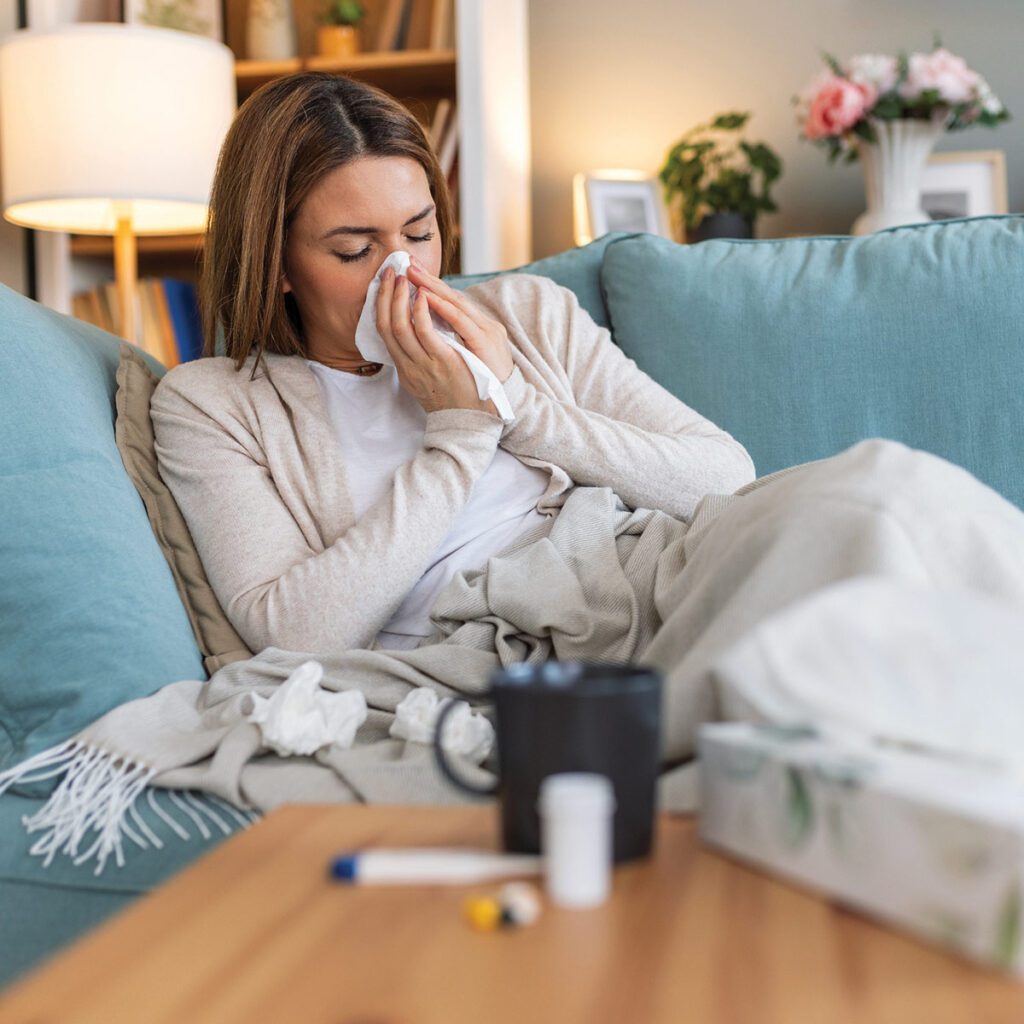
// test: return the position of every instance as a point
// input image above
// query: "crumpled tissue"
(466, 733)
(371, 346)
(300, 716)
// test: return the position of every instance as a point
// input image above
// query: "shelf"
(417, 72)
(103, 245)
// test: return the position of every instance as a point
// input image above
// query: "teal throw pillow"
(801, 347)
(89, 614)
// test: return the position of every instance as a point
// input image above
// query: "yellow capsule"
(482, 912)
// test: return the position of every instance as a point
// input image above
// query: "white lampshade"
(101, 121)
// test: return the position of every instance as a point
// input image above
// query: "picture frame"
(617, 200)
(966, 183)
(39, 13)
(201, 17)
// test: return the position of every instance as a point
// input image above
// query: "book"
(449, 141)
(170, 344)
(96, 306)
(81, 307)
(183, 305)
(440, 121)
(403, 26)
(442, 35)
(390, 23)
(418, 25)
(149, 334)
(453, 187)
(112, 311)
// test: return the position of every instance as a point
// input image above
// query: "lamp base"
(126, 275)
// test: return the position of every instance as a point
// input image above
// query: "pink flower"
(837, 106)
(941, 70)
(874, 69)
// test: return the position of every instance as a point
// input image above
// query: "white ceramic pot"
(893, 167)
(270, 30)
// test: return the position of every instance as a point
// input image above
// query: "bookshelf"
(484, 74)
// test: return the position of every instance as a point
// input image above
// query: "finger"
(386, 318)
(462, 323)
(441, 288)
(401, 320)
(427, 335)
(383, 307)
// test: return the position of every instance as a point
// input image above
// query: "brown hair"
(284, 138)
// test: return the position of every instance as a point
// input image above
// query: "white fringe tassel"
(98, 792)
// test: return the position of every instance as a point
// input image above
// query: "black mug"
(572, 716)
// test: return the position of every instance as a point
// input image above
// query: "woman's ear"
(285, 283)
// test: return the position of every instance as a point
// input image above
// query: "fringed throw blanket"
(600, 582)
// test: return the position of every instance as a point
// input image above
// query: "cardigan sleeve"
(624, 430)
(275, 587)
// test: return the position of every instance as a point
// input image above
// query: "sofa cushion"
(800, 347)
(89, 613)
(577, 269)
(133, 431)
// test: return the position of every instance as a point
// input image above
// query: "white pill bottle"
(576, 824)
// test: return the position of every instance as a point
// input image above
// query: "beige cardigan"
(259, 477)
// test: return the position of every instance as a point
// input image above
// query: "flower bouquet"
(890, 112)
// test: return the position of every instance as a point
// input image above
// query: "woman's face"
(347, 226)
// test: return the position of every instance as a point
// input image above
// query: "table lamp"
(111, 129)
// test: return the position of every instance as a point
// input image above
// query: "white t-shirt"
(379, 427)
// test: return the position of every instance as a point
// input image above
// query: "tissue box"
(931, 845)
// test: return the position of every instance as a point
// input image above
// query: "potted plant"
(889, 112)
(714, 181)
(337, 34)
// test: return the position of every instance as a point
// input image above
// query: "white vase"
(270, 30)
(893, 167)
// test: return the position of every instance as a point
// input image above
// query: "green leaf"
(799, 809)
(343, 12)
(1008, 928)
(833, 64)
(865, 130)
(731, 121)
(902, 67)
(888, 107)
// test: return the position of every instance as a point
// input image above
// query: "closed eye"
(351, 258)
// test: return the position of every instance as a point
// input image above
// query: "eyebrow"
(373, 231)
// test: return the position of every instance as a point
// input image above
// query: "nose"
(389, 254)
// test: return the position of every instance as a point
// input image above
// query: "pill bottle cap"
(572, 793)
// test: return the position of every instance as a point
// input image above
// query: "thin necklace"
(368, 368)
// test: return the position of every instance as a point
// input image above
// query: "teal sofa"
(799, 347)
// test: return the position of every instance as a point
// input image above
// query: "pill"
(483, 912)
(520, 902)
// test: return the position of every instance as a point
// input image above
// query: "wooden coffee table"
(255, 931)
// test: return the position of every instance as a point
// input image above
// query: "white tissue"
(466, 733)
(371, 346)
(301, 717)
(872, 659)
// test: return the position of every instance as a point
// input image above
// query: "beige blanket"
(601, 582)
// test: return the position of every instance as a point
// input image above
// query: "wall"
(615, 85)
(609, 89)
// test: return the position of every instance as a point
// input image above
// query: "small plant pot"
(721, 225)
(337, 41)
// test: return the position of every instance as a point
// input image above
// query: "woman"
(331, 499)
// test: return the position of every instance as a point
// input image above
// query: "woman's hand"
(484, 336)
(428, 367)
